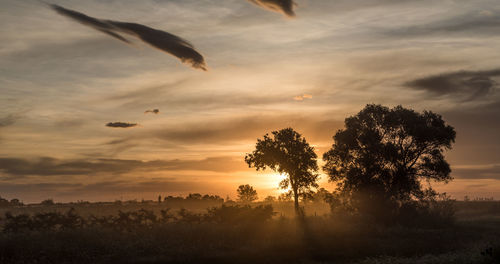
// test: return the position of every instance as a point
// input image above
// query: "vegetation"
(287, 152)
(382, 158)
(13, 202)
(246, 193)
(242, 234)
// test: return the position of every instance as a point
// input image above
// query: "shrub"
(240, 214)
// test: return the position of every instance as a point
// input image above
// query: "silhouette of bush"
(43, 221)
(491, 254)
(18, 223)
(189, 217)
(47, 202)
(13, 202)
(240, 214)
(166, 216)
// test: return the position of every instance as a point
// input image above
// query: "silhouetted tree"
(287, 152)
(4, 202)
(246, 193)
(382, 155)
(285, 197)
(47, 202)
(270, 199)
(194, 196)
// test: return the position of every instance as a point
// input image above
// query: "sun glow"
(274, 182)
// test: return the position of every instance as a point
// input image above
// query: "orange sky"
(61, 82)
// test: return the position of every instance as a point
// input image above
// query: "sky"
(62, 82)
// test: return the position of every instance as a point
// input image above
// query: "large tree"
(383, 156)
(288, 153)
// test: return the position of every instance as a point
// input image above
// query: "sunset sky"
(61, 82)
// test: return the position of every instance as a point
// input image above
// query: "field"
(247, 236)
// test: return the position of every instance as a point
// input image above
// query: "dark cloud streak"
(281, 6)
(8, 120)
(467, 85)
(161, 40)
(154, 111)
(120, 125)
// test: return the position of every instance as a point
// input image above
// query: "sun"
(274, 182)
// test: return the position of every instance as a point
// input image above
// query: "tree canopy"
(384, 155)
(246, 193)
(287, 153)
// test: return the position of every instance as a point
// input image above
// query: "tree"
(47, 202)
(270, 199)
(382, 156)
(246, 193)
(194, 196)
(287, 152)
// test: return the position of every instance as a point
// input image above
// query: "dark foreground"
(244, 236)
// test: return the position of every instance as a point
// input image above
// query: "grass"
(318, 239)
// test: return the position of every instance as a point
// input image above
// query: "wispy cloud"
(121, 124)
(8, 120)
(162, 40)
(484, 22)
(247, 128)
(46, 166)
(302, 97)
(282, 6)
(491, 171)
(466, 85)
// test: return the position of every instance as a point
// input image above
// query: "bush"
(240, 214)
(133, 220)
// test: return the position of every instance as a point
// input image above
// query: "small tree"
(194, 196)
(270, 199)
(246, 193)
(287, 152)
(47, 202)
(381, 157)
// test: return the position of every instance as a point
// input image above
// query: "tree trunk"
(296, 201)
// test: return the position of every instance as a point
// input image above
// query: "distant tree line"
(194, 197)
(13, 202)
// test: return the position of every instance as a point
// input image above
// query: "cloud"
(47, 166)
(302, 97)
(154, 111)
(466, 85)
(162, 40)
(281, 6)
(121, 124)
(69, 123)
(472, 23)
(8, 120)
(491, 171)
(247, 128)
